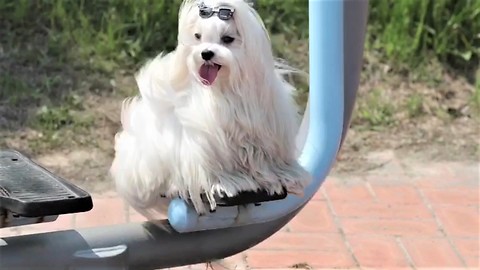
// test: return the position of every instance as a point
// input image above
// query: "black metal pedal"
(248, 197)
(29, 190)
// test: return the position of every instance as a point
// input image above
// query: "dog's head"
(221, 42)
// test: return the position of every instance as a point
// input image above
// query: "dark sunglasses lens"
(224, 14)
(206, 12)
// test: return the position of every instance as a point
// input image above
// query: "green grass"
(409, 32)
(475, 100)
(15, 91)
(476, 95)
(99, 35)
(110, 33)
(54, 118)
(374, 111)
(415, 105)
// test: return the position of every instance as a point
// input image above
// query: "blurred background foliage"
(109, 33)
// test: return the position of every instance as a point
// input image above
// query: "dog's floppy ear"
(179, 72)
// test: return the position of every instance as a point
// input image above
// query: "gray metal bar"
(129, 246)
(355, 23)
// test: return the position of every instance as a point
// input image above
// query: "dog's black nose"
(207, 55)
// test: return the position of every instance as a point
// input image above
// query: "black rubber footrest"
(29, 190)
(248, 197)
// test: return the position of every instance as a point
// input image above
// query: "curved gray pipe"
(355, 23)
(130, 246)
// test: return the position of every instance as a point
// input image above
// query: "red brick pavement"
(422, 217)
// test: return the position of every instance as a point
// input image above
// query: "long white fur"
(181, 138)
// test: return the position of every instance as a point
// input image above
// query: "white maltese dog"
(214, 117)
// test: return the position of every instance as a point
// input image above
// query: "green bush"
(410, 31)
(101, 32)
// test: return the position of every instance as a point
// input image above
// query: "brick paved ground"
(399, 216)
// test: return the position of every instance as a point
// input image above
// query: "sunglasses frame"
(223, 12)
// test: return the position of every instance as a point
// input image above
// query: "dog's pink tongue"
(209, 73)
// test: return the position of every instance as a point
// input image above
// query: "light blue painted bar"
(326, 99)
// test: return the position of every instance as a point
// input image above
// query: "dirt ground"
(85, 157)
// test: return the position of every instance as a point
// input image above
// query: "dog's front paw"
(297, 187)
(296, 190)
(224, 189)
(273, 187)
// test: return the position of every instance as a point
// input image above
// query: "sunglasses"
(223, 12)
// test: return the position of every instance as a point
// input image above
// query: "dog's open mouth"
(208, 72)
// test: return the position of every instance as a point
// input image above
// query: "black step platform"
(247, 197)
(29, 190)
